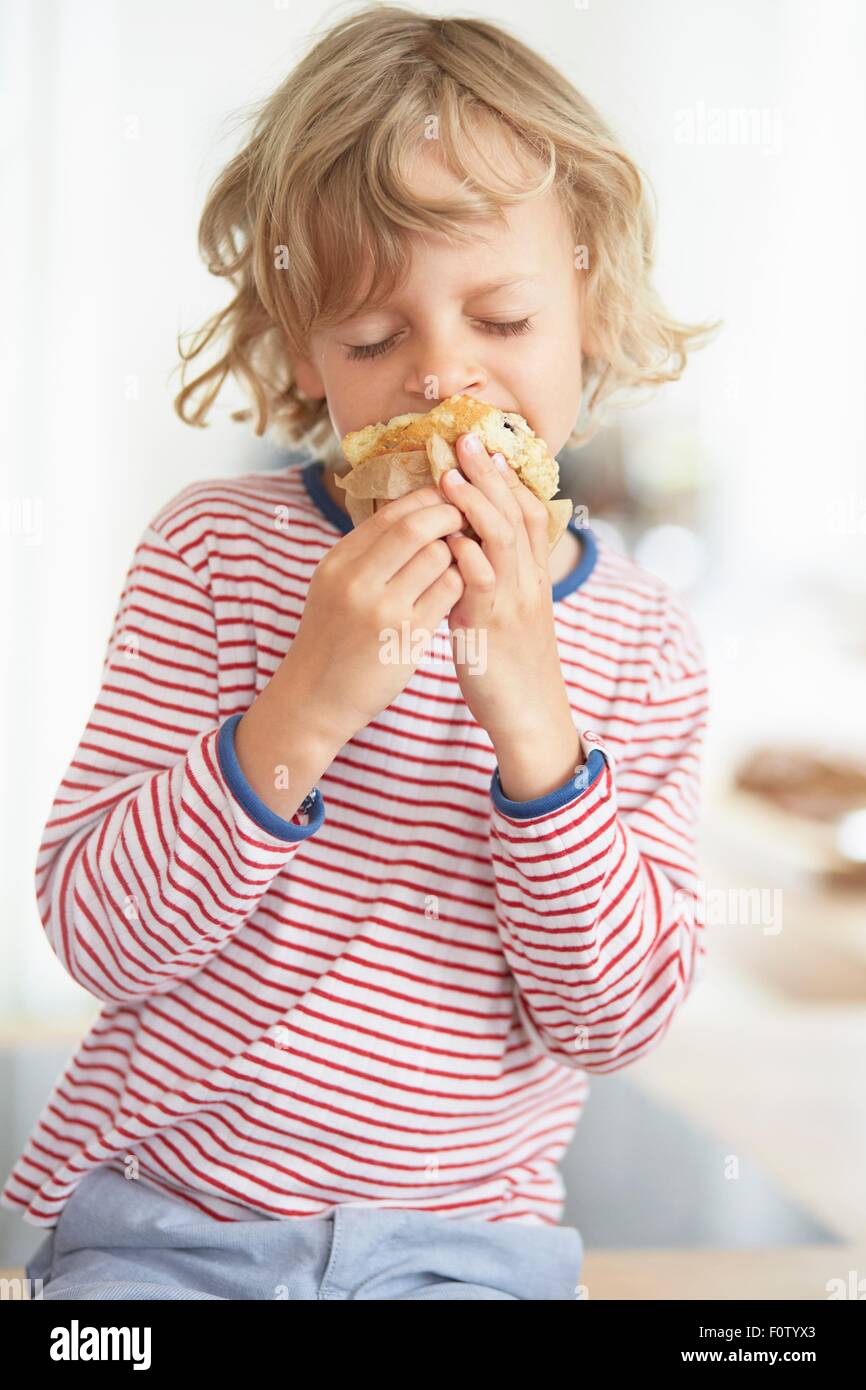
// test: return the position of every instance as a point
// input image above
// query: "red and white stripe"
(402, 1008)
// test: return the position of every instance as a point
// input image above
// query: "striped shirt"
(396, 997)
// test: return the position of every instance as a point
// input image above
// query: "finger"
(475, 567)
(420, 572)
(399, 534)
(367, 533)
(496, 532)
(480, 469)
(496, 480)
(533, 511)
(434, 605)
(479, 583)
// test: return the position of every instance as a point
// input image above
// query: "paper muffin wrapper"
(382, 479)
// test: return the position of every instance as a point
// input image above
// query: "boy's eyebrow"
(505, 284)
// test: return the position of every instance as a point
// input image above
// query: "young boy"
(362, 925)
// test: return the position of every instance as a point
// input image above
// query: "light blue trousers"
(121, 1239)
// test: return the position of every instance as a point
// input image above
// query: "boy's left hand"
(507, 662)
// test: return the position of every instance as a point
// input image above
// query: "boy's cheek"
(361, 395)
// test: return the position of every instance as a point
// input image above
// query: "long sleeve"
(156, 851)
(598, 902)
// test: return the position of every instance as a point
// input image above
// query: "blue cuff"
(576, 786)
(313, 805)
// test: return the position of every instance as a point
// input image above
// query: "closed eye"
(517, 326)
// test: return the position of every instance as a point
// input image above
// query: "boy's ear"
(308, 378)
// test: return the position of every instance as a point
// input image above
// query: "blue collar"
(312, 474)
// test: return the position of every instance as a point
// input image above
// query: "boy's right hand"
(393, 569)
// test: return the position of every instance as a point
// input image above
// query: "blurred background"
(730, 1162)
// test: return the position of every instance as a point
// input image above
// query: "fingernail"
(499, 460)
(455, 476)
(472, 444)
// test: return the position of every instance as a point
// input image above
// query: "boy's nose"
(442, 359)
(437, 381)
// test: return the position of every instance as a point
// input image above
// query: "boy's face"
(442, 330)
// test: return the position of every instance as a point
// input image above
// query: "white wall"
(114, 119)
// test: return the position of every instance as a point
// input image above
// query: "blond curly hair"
(321, 190)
